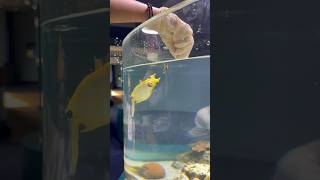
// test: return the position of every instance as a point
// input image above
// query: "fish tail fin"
(75, 145)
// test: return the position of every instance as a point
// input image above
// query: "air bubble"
(199, 29)
(120, 79)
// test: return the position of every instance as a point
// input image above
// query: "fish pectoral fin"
(75, 145)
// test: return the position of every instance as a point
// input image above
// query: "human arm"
(175, 33)
(129, 11)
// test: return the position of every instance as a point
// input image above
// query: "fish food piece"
(152, 171)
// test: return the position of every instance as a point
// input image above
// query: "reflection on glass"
(75, 96)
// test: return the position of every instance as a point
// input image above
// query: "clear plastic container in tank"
(167, 99)
(74, 89)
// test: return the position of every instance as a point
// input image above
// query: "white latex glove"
(302, 163)
(176, 34)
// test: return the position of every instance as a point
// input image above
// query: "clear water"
(159, 129)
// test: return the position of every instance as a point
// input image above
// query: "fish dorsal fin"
(153, 76)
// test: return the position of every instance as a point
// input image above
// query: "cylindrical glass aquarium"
(75, 89)
(167, 100)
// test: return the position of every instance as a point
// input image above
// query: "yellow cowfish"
(143, 91)
(89, 107)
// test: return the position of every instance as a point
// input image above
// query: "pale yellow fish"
(89, 107)
(143, 91)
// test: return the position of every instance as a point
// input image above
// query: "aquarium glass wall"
(167, 100)
(75, 86)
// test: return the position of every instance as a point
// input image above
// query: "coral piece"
(195, 171)
(152, 171)
(186, 157)
(190, 157)
(207, 177)
(201, 146)
(205, 157)
(182, 177)
(177, 165)
(200, 154)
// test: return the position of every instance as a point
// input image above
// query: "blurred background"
(20, 90)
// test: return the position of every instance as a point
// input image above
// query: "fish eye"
(150, 84)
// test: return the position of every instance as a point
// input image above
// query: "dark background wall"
(268, 86)
(22, 35)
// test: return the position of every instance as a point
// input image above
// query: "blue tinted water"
(158, 131)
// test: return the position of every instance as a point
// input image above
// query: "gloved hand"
(176, 34)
